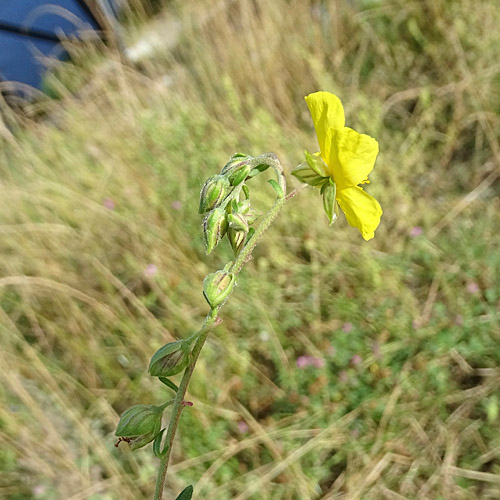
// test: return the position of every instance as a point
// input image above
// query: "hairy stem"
(213, 319)
(209, 322)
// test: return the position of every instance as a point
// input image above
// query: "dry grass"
(107, 184)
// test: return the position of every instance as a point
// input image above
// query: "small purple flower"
(416, 231)
(109, 203)
(318, 362)
(472, 287)
(343, 377)
(356, 360)
(303, 361)
(242, 427)
(347, 327)
(459, 320)
(150, 270)
(177, 205)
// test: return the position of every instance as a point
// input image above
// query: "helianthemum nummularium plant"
(343, 164)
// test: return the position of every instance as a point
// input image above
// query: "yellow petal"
(352, 157)
(361, 210)
(327, 115)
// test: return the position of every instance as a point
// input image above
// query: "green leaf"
(168, 383)
(262, 167)
(186, 493)
(329, 191)
(307, 175)
(251, 232)
(157, 445)
(317, 164)
(246, 191)
(277, 188)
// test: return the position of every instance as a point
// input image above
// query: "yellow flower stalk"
(345, 159)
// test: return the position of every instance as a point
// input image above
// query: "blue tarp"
(30, 34)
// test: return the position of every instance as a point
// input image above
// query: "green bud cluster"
(220, 198)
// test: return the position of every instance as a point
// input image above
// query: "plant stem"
(212, 319)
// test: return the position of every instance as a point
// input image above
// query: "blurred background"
(343, 369)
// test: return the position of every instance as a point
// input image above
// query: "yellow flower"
(347, 159)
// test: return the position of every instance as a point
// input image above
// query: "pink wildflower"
(150, 270)
(347, 327)
(303, 361)
(356, 360)
(242, 426)
(109, 203)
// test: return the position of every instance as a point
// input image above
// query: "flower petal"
(352, 157)
(361, 210)
(327, 114)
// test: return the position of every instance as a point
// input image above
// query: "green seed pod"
(213, 192)
(140, 424)
(214, 228)
(237, 239)
(170, 359)
(237, 221)
(217, 287)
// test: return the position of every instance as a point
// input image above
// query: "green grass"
(416, 418)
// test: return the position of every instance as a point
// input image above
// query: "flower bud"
(236, 159)
(214, 228)
(140, 423)
(213, 192)
(217, 287)
(237, 221)
(239, 174)
(237, 239)
(170, 359)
